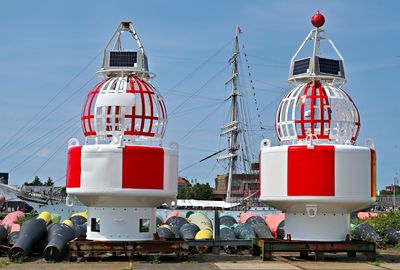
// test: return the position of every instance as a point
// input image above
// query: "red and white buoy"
(122, 172)
(318, 175)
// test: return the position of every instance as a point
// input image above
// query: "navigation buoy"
(318, 175)
(123, 171)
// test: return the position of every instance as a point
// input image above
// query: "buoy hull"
(121, 224)
(317, 187)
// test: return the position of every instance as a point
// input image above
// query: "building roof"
(183, 181)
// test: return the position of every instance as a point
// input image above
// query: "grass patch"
(4, 262)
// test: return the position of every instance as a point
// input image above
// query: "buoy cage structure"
(317, 175)
(123, 171)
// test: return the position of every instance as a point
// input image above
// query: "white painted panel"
(352, 171)
(115, 99)
(171, 171)
(273, 167)
(328, 227)
(101, 166)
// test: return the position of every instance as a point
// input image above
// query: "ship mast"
(231, 129)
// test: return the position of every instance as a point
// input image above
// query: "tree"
(35, 182)
(197, 192)
(202, 191)
(49, 182)
(389, 192)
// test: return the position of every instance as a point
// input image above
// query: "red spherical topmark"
(318, 19)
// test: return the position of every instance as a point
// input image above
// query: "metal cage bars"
(147, 117)
(319, 109)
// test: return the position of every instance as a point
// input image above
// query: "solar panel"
(123, 59)
(329, 66)
(301, 66)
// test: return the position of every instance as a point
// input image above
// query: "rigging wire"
(199, 123)
(201, 160)
(13, 137)
(32, 155)
(195, 109)
(198, 90)
(56, 108)
(197, 68)
(252, 85)
(55, 152)
(38, 139)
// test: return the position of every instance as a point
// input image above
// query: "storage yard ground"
(386, 259)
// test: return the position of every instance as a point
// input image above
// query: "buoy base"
(321, 227)
(121, 224)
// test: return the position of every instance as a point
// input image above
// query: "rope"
(253, 90)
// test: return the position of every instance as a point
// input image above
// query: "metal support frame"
(142, 70)
(79, 249)
(316, 35)
(265, 248)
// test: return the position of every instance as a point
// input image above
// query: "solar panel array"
(301, 66)
(123, 59)
(329, 66)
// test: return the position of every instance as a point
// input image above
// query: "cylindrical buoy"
(227, 220)
(188, 231)
(79, 218)
(201, 220)
(32, 231)
(3, 233)
(176, 223)
(365, 232)
(58, 237)
(244, 231)
(13, 236)
(164, 231)
(226, 233)
(79, 221)
(11, 218)
(2, 200)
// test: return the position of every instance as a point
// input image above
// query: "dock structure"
(265, 248)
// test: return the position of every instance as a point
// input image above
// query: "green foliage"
(49, 182)
(22, 219)
(155, 259)
(37, 182)
(382, 221)
(197, 192)
(389, 192)
(63, 192)
(4, 262)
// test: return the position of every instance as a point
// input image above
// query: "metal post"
(216, 248)
(395, 181)
(232, 147)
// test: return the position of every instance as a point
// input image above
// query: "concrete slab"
(255, 266)
(335, 265)
(70, 266)
(42, 265)
(391, 266)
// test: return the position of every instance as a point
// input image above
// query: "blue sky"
(52, 46)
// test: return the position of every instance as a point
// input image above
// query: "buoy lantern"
(318, 175)
(122, 172)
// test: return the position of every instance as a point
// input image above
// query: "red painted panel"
(311, 172)
(73, 177)
(373, 173)
(143, 167)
